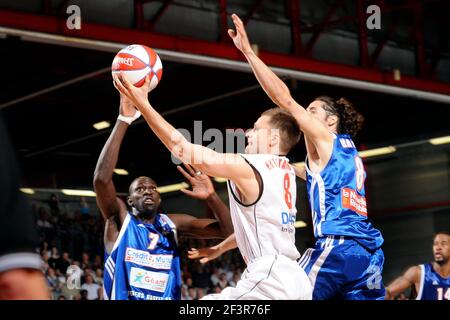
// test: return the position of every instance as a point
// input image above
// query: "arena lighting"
(121, 172)
(101, 125)
(81, 193)
(377, 152)
(220, 180)
(440, 140)
(198, 59)
(172, 187)
(27, 190)
(300, 224)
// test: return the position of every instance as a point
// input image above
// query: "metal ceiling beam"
(252, 11)
(160, 13)
(220, 55)
(362, 34)
(223, 23)
(296, 35)
(318, 32)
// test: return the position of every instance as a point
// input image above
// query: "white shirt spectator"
(92, 290)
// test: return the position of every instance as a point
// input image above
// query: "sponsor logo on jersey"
(144, 258)
(144, 279)
(288, 221)
(351, 200)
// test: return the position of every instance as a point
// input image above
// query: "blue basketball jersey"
(337, 196)
(144, 263)
(432, 285)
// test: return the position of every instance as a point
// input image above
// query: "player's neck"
(443, 269)
(145, 217)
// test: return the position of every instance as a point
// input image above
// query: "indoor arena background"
(57, 84)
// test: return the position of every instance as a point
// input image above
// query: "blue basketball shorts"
(340, 268)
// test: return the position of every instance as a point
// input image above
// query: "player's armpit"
(198, 228)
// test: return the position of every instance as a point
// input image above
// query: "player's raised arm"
(226, 165)
(409, 278)
(275, 88)
(110, 205)
(207, 254)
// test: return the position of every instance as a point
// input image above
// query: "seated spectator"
(55, 260)
(223, 283)
(192, 291)
(215, 277)
(90, 287)
(200, 293)
(184, 293)
(98, 276)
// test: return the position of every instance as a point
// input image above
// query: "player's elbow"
(100, 180)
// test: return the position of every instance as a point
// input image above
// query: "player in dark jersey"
(141, 253)
(347, 260)
(429, 281)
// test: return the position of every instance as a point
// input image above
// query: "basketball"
(137, 61)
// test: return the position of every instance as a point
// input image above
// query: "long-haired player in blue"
(142, 260)
(429, 281)
(347, 260)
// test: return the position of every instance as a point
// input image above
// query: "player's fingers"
(231, 33)
(191, 169)
(204, 260)
(184, 173)
(188, 192)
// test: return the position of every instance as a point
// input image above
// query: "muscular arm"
(227, 165)
(110, 205)
(112, 208)
(409, 278)
(279, 93)
(221, 213)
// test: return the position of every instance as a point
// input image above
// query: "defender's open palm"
(202, 186)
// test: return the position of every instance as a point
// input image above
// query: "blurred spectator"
(90, 287)
(85, 263)
(184, 293)
(223, 283)
(215, 277)
(84, 207)
(62, 297)
(192, 293)
(84, 295)
(200, 293)
(65, 262)
(235, 280)
(98, 276)
(53, 202)
(55, 260)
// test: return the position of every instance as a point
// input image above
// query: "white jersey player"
(262, 187)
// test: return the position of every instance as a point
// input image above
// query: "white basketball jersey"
(266, 227)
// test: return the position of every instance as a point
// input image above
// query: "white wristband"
(129, 120)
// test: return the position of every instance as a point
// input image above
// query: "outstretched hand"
(239, 36)
(137, 96)
(202, 186)
(204, 254)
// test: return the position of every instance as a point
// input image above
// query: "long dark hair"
(350, 120)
